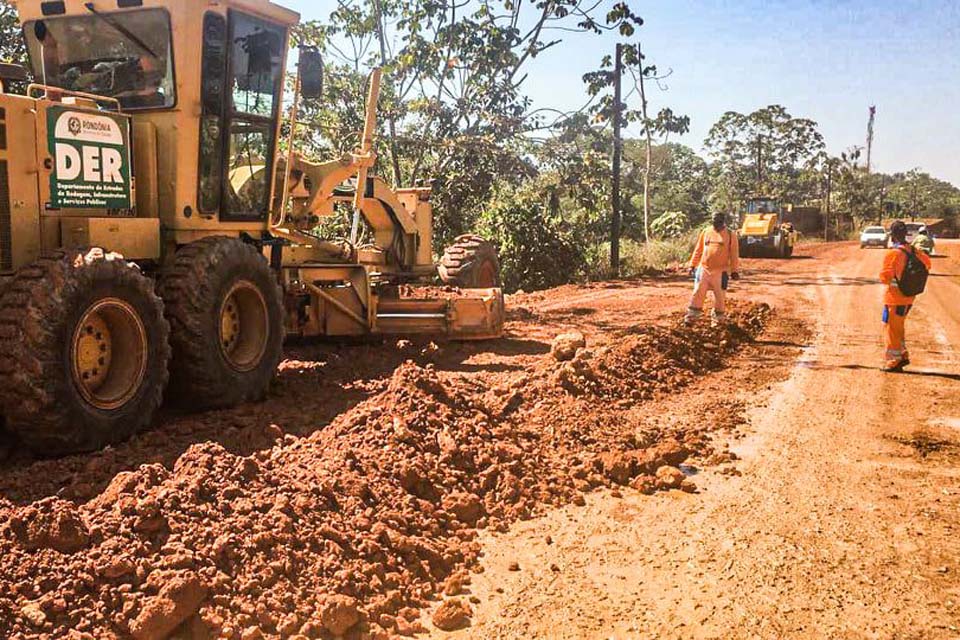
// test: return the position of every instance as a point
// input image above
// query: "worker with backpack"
(905, 273)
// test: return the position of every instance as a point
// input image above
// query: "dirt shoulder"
(350, 502)
(840, 520)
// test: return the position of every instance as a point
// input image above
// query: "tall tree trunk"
(391, 122)
(649, 157)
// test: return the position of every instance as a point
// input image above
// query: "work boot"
(895, 366)
(718, 320)
(692, 316)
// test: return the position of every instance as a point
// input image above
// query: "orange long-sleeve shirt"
(717, 251)
(893, 265)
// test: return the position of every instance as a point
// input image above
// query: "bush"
(538, 248)
(672, 224)
(656, 256)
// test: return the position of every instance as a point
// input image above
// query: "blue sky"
(828, 60)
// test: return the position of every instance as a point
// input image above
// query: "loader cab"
(204, 83)
(762, 206)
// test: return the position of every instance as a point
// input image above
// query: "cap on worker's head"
(719, 221)
(898, 231)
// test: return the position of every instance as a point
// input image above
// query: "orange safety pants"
(707, 281)
(895, 332)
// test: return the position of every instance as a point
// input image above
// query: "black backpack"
(913, 282)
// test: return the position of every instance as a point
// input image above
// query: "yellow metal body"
(331, 288)
(133, 238)
(760, 224)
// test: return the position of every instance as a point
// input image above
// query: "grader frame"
(142, 186)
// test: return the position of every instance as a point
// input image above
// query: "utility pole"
(873, 118)
(826, 220)
(760, 190)
(649, 153)
(617, 160)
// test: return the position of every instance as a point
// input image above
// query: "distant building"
(807, 220)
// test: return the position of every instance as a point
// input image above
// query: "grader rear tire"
(227, 326)
(84, 352)
(470, 263)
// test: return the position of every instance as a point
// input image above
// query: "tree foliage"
(765, 153)
(12, 46)
(454, 110)
(454, 114)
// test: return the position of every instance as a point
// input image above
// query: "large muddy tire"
(84, 351)
(226, 318)
(470, 263)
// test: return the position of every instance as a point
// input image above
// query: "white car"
(873, 237)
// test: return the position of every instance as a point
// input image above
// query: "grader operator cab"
(153, 235)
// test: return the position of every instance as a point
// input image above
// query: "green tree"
(853, 191)
(600, 83)
(454, 111)
(540, 247)
(919, 195)
(767, 152)
(682, 182)
(12, 47)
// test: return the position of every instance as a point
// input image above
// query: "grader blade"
(478, 315)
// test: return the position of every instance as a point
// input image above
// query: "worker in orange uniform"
(715, 261)
(905, 271)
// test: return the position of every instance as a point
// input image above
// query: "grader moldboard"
(152, 231)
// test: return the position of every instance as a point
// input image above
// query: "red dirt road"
(390, 489)
(843, 524)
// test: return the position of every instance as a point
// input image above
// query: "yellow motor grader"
(157, 240)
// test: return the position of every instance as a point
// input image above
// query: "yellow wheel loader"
(156, 241)
(764, 233)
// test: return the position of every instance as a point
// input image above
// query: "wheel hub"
(244, 326)
(109, 354)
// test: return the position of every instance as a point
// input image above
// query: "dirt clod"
(467, 507)
(34, 614)
(339, 614)
(670, 478)
(50, 524)
(453, 614)
(566, 345)
(180, 597)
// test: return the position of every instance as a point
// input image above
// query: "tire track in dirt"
(837, 528)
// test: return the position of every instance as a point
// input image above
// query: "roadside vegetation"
(537, 181)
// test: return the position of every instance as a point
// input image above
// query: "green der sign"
(91, 154)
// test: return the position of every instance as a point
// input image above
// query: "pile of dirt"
(656, 359)
(351, 530)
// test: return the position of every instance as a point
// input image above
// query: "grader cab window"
(127, 56)
(243, 75)
(257, 64)
(213, 85)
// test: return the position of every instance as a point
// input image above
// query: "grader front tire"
(227, 326)
(471, 263)
(84, 352)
